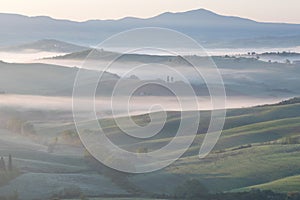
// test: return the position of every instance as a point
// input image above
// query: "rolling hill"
(288, 184)
(41, 79)
(259, 148)
(242, 75)
(46, 45)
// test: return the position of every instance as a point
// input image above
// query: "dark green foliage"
(117, 177)
(294, 100)
(191, 189)
(68, 193)
(254, 195)
(10, 165)
(290, 140)
(242, 147)
(51, 146)
(251, 195)
(70, 137)
(2, 164)
(9, 173)
(283, 53)
(28, 129)
(142, 150)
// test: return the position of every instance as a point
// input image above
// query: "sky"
(82, 10)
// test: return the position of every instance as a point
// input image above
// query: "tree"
(52, 145)
(191, 189)
(10, 165)
(2, 164)
(83, 197)
(15, 124)
(28, 129)
(142, 150)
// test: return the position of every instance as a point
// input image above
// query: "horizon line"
(144, 18)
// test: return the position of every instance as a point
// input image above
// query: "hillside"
(258, 145)
(259, 148)
(243, 76)
(41, 79)
(46, 45)
(288, 184)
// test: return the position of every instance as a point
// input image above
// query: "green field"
(288, 184)
(257, 146)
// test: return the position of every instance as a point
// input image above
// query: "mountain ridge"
(140, 18)
(202, 25)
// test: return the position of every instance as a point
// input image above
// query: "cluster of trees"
(51, 145)
(194, 189)
(117, 177)
(290, 140)
(283, 53)
(69, 193)
(3, 165)
(294, 100)
(289, 101)
(14, 124)
(242, 147)
(70, 137)
(191, 189)
(255, 195)
(18, 125)
(7, 171)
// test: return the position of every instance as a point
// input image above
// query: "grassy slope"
(245, 167)
(229, 166)
(51, 79)
(287, 184)
(243, 126)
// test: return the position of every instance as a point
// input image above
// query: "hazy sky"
(81, 10)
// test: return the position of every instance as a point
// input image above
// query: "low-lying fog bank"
(137, 105)
(27, 56)
(32, 56)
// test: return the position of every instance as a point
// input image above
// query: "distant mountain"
(48, 45)
(209, 28)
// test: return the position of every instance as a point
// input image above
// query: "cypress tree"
(10, 167)
(2, 164)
